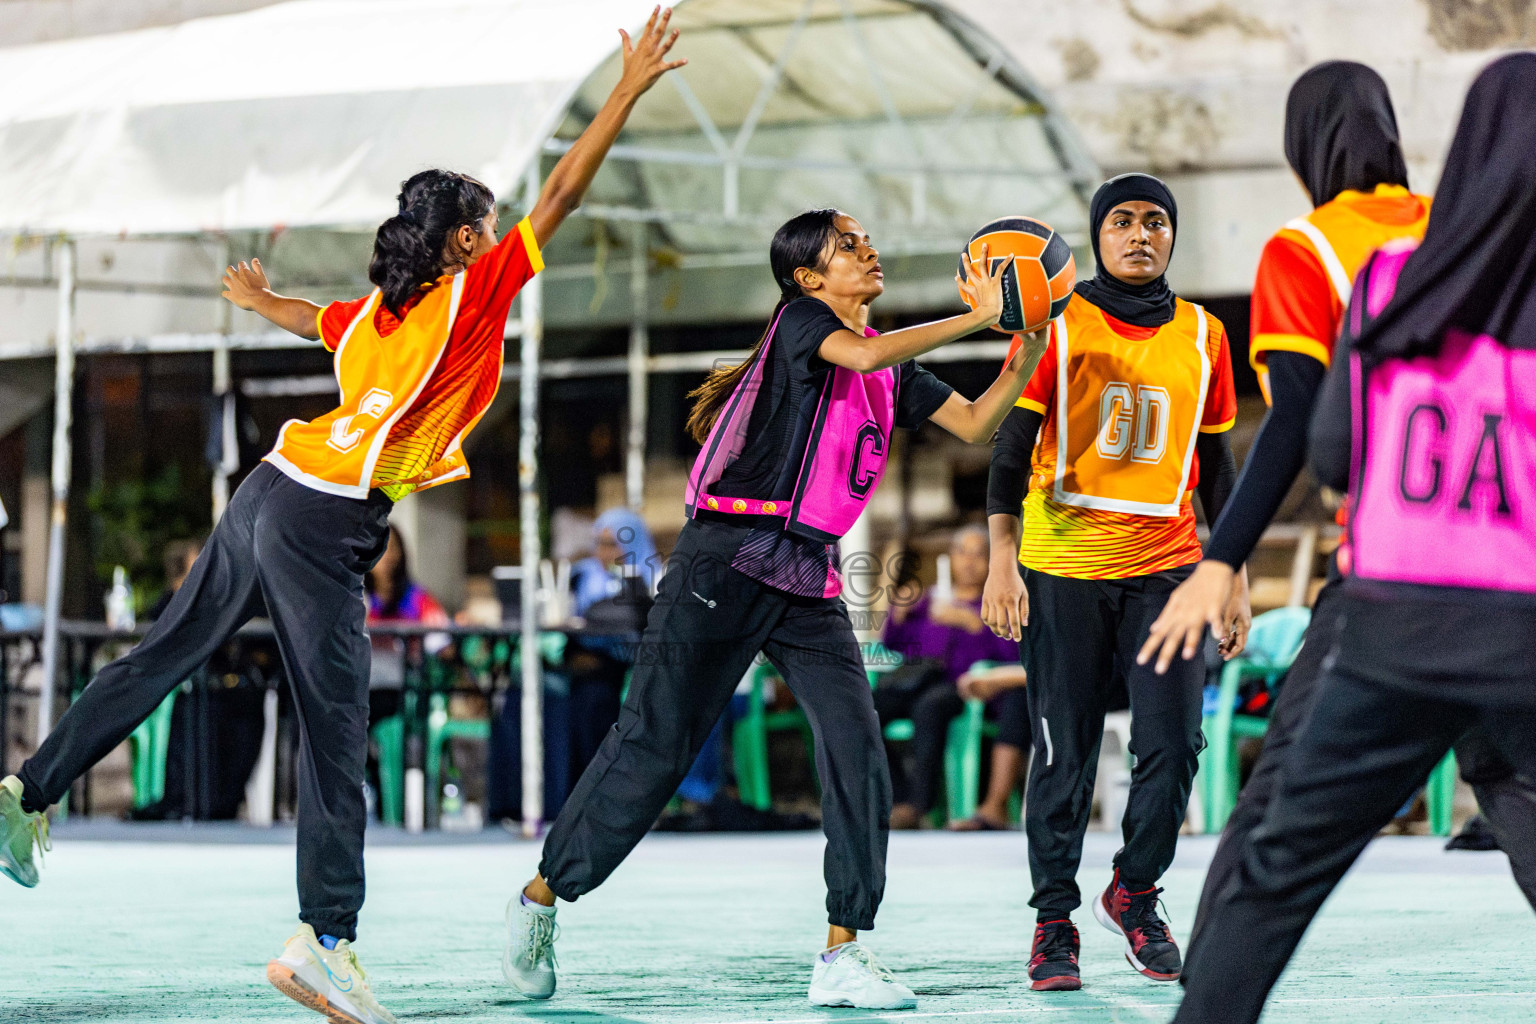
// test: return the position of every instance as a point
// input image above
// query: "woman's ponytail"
(410, 248)
(803, 241)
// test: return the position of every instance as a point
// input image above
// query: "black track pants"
(708, 623)
(298, 556)
(1080, 634)
(1297, 694)
(1508, 801)
(1362, 752)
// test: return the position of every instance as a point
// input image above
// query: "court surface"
(176, 925)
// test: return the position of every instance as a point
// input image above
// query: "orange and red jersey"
(412, 387)
(1115, 466)
(1308, 268)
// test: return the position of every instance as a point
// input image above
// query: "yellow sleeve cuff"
(1218, 428)
(531, 245)
(1031, 404)
(1300, 343)
(320, 330)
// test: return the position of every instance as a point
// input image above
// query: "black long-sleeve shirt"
(1330, 432)
(1278, 453)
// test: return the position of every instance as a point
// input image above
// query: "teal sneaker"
(529, 960)
(19, 831)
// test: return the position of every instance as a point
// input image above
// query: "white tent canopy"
(306, 113)
(310, 113)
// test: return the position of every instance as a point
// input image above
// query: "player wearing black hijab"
(1130, 405)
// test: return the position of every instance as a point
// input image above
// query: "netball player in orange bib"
(418, 362)
(1130, 405)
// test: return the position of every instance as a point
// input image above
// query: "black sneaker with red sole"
(1053, 958)
(1133, 916)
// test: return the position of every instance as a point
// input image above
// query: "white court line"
(1120, 1007)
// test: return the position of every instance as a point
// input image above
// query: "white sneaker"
(855, 978)
(529, 961)
(328, 981)
(19, 832)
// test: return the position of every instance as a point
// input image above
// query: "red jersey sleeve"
(495, 278)
(1220, 411)
(336, 318)
(1041, 388)
(1294, 305)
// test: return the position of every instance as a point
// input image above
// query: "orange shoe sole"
(1061, 983)
(285, 981)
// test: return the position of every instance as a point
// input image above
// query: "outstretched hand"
(645, 59)
(982, 287)
(246, 284)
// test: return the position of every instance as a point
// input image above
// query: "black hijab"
(1476, 268)
(1340, 131)
(1145, 305)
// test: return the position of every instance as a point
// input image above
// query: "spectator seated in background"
(209, 760)
(393, 597)
(940, 641)
(1003, 690)
(622, 551)
(178, 556)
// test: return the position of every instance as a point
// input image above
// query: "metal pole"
(224, 399)
(63, 388)
(639, 354)
(528, 490)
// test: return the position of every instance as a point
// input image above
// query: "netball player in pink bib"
(1428, 418)
(795, 441)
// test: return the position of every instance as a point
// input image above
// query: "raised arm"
(645, 61)
(246, 286)
(984, 292)
(977, 421)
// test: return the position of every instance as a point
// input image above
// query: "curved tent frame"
(899, 110)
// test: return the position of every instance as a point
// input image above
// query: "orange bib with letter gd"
(1110, 485)
(1126, 412)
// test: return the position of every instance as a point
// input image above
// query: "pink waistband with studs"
(747, 506)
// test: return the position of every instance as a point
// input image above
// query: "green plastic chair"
(1440, 796)
(962, 753)
(389, 736)
(749, 740)
(551, 649)
(151, 742)
(749, 734)
(1273, 643)
(441, 729)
